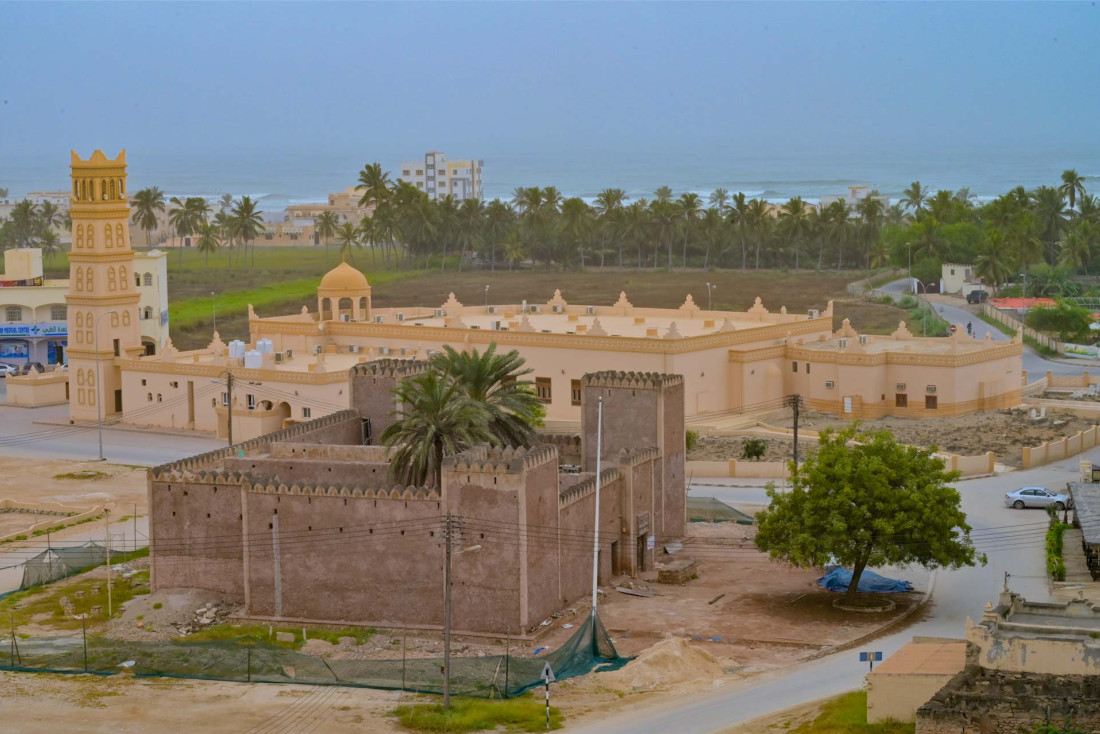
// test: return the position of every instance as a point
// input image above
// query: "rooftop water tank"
(253, 359)
(265, 346)
(236, 349)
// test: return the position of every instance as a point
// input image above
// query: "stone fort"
(305, 524)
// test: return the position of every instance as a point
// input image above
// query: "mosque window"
(88, 281)
(79, 272)
(114, 323)
(113, 188)
(121, 189)
(542, 389)
(137, 278)
(103, 189)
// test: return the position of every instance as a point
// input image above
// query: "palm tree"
(714, 233)
(756, 216)
(690, 210)
(48, 216)
(182, 219)
(927, 238)
(145, 204)
(1073, 185)
(24, 218)
(223, 220)
(1078, 247)
(609, 205)
(663, 194)
(49, 242)
(1050, 214)
(375, 184)
(447, 225)
(494, 381)
(225, 202)
(436, 419)
(514, 251)
(738, 212)
(469, 225)
(839, 227)
(719, 199)
(794, 223)
(347, 237)
(871, 211)
(499, 222)
(576, 224)
(247, 223)
(325, 226)
(209, 239)
(914, 197)
(994, 262)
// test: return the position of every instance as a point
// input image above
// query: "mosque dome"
(344, 278)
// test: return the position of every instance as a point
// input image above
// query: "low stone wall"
(57, 514)
(1050, 451)
(995, 702)
(736, 468)
(969, 466)
(32, 391)
(1083, 380)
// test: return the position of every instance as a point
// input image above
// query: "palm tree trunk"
(744, 252)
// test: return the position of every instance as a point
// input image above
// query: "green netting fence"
(495, 676)
(58, 563)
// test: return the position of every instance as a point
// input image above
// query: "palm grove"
(1050, 232)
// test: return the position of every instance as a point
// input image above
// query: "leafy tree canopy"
(1070, 321)
(865, 500)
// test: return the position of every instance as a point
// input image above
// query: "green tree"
(739, 212)
(868, 503)
(499, 222)
(994, 262)
(794, 224)
(1073, 186)
(145, 205)
(719, 199)
(1070, 321)
(325, 226)
(756, 218)
(24, 222)
(691, 208)
(436, 419)
(50, 243)
(609, 207)
(375, 185)
(495, 381)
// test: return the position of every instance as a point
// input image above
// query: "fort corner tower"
(102, 295)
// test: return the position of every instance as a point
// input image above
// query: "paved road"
(1013, 541)
(23, 434)
(1036, 365)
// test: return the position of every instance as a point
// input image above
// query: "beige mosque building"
(294, 367)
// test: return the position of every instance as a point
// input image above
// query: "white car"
(7, 369)
(1036, 497)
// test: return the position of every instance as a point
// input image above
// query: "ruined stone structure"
(1027, 664)
(305, 525)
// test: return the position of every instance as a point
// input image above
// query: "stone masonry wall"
(980, 701)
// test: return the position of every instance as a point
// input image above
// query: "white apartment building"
(439, 177)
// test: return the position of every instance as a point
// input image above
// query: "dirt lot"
(1003, 432)
(723, 448)
(741, 616)
(38, 481)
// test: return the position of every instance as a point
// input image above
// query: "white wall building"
(439, 177)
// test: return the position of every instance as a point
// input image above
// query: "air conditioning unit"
(440, 313)
(354, 349)
(317, 349)
(383, 350)
(862, 339)
(829, 384)
(279, 357)
(590, 310)
(400, 316)
(536, 308)
(931, 388)
(377, 319)
(558, 309)
(496, 326)
(815, 313)
(345, 317)
(842, 343)
(900, 386)
(474, 326)
(492, 309)
(290, 354)
(404, 351)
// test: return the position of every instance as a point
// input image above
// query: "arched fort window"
(114, 320)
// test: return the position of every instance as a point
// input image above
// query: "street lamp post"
(909, 247)
(99, 384)
(486, 299)
(710, 289)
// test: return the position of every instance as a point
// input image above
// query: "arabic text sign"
(44, 328)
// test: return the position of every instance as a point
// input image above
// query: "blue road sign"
(865, 657)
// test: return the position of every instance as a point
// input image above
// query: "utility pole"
(447, 611)
(596, 527)
(795, 404)
(229, 397)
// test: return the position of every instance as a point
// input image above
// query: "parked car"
(26, 369)
(1036, 497)
(977, 296)
(7, 369)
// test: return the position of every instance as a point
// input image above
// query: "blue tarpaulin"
(839, 578)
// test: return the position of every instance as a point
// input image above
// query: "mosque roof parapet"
(452, 305)
(557, 300)
(673, 332)
(623, 304)
(597, 328)
(689, 309)
(642, 380)
(758, 309)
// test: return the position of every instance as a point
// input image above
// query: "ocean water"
(776, 175)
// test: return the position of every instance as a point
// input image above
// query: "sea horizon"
(306, 177)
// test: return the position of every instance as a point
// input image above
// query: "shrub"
(691, 438)
(754, 449)
(1056, 564)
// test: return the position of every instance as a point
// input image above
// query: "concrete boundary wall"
(967, 466)
(1050, 451)
(59, 515)
(1012, 322)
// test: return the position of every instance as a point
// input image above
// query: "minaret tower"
(101, 280)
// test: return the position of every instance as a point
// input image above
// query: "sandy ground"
(1003, 432)
(35, 480)
(723, 448)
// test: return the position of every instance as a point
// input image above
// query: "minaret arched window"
(123, 278)
(113, 189)
(121, 189)
(108, 236)
(120, 235)
(91, 236)
(89, 281)
(103, 189)
(112, 284)
(79, 278)
(79, 236)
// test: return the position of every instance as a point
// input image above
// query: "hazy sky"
(386, 81)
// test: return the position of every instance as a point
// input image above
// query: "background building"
(460, 179)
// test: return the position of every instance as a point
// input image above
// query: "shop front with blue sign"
(43, 341)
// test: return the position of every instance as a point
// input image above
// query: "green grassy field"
(524, 713)
(847, 714)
